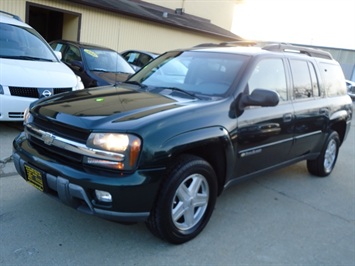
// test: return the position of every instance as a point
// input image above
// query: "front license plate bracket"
(35, 177)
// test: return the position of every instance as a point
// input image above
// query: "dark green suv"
(161, 147)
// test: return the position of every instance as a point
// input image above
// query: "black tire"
(324, 164)
(189, 191)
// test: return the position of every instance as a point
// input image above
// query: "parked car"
(138, 58)
(161, 147)
(351, 88)
(96, 65)
(29, 68)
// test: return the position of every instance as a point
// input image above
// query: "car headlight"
(79, 84)
(127, 146)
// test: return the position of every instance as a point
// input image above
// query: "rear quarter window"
(305, 82)
(334, 81)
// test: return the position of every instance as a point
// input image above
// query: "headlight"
(128, 146)
(109, 141)
(79, 84)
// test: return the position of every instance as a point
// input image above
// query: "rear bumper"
(133, 195)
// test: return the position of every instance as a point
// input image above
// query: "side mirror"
(58, 54)
(259, 97)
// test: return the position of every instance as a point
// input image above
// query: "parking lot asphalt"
(287, 217)
(8, 131)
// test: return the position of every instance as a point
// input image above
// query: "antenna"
(118, 45)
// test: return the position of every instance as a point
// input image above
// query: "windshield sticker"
(58, 47)
(91, 53)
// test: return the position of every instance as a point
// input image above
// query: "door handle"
(287, 117)
(324, 111)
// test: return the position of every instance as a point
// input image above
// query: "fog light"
(103, 196)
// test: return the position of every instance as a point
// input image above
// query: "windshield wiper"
(99, 70)
(175, 89)
(182, 91)
(25, 57)
(133, 82)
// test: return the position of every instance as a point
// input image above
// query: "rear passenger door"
(265, 135)
(310, 115)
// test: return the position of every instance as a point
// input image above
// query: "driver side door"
(264, 135)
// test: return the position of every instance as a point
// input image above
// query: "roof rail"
(11, 15)
(239, 43)
(278, 47)
(228, 44)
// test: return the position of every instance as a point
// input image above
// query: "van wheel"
(185, 202)
(324, 164)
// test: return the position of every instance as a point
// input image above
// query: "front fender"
(202, 141)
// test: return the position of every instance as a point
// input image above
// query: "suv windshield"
(23, 43)
(203, 73)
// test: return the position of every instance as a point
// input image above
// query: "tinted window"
(72, 54)
(334, 81)
(144, 59)
(315, 84)
(60, 47)
(132, 58)
(106, 61)
(138, 59)
(269, 74)
(204, 73)
(302, 83)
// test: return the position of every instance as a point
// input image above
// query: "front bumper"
(13, 107)
(133, 195)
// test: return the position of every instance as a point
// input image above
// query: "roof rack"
(228, 44)
(278, 47)
(11, 15)
(274, 47)
(239, 43)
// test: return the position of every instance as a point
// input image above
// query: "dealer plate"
(34, 177)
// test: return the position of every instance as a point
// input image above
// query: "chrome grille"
(65, 131)
(58, 153)
(34, 92)
(24, 92)
(65, 148)
(61, 90)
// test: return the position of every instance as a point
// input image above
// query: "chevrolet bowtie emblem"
(48, 138)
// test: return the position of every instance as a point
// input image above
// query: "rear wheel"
(186, 201)
(324, 164)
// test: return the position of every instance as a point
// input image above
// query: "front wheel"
(185, 202)
(324, 164)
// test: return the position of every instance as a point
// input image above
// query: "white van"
(29, 68)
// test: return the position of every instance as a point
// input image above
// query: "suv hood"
(40, 74)
(89, 108)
